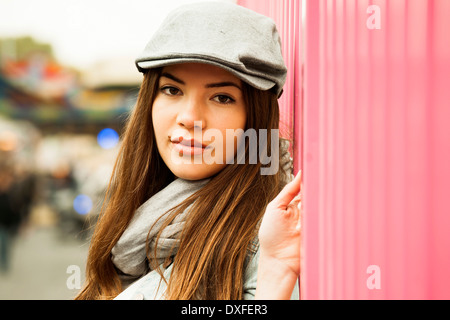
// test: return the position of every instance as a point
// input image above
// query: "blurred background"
(67, 83)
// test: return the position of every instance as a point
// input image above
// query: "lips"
(188, 142)
(188, 146)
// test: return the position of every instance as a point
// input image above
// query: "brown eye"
(223, 99)
(171, 91)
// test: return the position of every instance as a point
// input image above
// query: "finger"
(296, 202)
(295, 208)
(299, 222)
(297, 198)
(289, 192)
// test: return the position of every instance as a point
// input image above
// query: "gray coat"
(151, 286)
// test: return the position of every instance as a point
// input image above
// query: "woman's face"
(195, 105)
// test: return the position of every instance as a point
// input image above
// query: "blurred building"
(35, 87)
(50, 116)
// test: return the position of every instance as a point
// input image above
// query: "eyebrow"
(172, 77)
(210, 85)
(223, 84)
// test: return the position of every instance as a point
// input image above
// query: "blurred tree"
(20, 48)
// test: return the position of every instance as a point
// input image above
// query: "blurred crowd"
(42, 175)
(17, 186)
(40, 178)
(16, 195)
(59, 135)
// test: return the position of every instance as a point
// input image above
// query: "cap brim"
(255, 81)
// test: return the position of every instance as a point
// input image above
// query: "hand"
(279, 234)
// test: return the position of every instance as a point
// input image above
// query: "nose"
(191, 114)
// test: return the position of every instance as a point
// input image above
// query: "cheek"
(233, 122)
(160, 120)
(156, 124)
(156, 112)
(242, 118)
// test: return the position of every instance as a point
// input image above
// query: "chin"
(195, 172)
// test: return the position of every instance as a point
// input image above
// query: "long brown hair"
(223, 219)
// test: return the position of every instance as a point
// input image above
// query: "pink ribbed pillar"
(373, 138)
(376, 150)
(287, 16)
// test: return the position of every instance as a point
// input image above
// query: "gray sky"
(83, 32)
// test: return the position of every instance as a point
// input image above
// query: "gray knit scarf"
(129, 253)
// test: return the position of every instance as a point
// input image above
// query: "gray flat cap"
(227, 35)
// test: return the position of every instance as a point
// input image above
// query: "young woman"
(192, 182)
